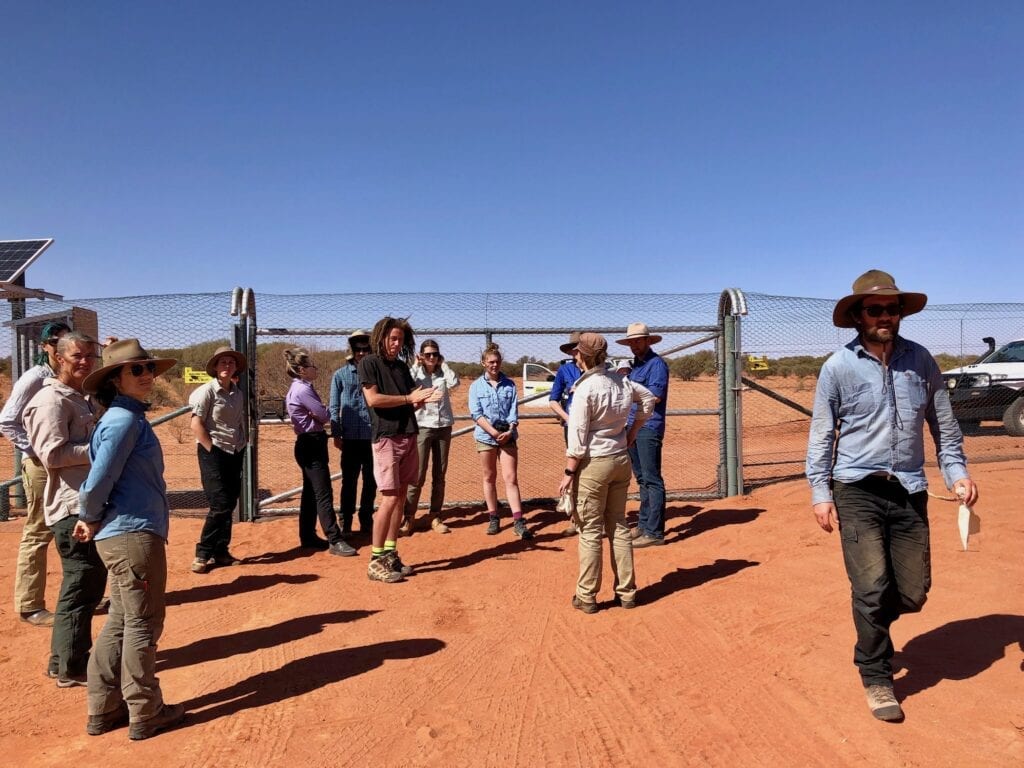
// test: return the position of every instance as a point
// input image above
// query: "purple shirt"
(305, 408)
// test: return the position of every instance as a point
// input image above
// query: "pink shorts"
(396, 462)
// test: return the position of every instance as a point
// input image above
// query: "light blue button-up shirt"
(873, 418)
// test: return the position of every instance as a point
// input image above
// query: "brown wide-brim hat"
(118, 354)
(240, 362)
(353, 338)
(875, 282)
(638, 331)
(569, 346)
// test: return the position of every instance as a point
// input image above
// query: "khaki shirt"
(59, 421)
(222, 412)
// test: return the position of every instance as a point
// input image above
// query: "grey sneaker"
(168, 717)
(342, 548)
(493, 526)
(202, 565)
(520, 529)
(380, 570)
(42, 617)
(882, 703)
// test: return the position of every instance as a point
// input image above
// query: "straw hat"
(353, 338)
(119, 354)
(638, 331)
(567, 348)
(240, 362)
(875, 282)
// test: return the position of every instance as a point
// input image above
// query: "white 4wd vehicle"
(990, 389)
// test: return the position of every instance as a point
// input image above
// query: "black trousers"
(356, 460)
(81, 589)
(317, 493)
(222, 482)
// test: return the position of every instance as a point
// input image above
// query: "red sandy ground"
(739, 653)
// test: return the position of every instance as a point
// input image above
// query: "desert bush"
(689, 367)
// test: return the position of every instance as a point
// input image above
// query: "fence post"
(731, 306)
(244, 306)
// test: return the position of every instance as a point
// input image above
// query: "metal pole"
(729, 323)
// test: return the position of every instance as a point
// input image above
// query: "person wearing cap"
(598, 468)
(434, 440)
(650, 371)
(30, 572)
(865, 467)
(219, 425)
(351, 432)
(59, 420)
(560, 397)
(122, 506)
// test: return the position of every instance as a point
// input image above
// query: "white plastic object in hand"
(967, 520)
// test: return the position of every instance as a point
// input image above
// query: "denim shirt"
(350, 416)
(652, 373)
(493, 403)
(880, 415)
(125, 489)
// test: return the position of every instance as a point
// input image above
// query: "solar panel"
(16, 255)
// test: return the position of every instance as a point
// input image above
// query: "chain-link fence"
(779, 347)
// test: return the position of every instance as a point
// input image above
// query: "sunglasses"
(876, 310)
(431, 354)
(360, 349)
(138, 369)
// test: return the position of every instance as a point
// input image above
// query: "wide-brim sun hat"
(638, 331)
(569, 346)
(353, 338)
(119, 354)
(875, 282)
(240, 362)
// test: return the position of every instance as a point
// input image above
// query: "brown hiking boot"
(438, 527)
(168, 717)
(406, 528)
(882, 703)
(108, 721)
(380, 570)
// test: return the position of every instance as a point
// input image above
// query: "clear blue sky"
(780, 147)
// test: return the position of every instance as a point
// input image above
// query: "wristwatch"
(570, 472)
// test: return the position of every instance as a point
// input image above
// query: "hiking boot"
(380, 570)
(579, 605)
(40, 618)
(520, 529)
(202, 565)
(108, 721)
(225, 559)
(570, 530)
(342, 548)
(493, 526)
(394, 562)
(405, 529)
(627, 604)
(168, 717)
(635, 533)
(643, 540)
(882, 703)
(438, 527)
(71, 681)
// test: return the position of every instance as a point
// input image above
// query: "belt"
(886, 476)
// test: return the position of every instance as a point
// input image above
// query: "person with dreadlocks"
(393, 398)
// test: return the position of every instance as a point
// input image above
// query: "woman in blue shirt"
(123, 508)
(494, 408)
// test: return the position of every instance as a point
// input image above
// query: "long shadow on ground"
(687, 578)
(301, 676)
(956, 651)
(210, 648)
(710, 520)
(507, 550)
(206, 592)
(284, 556)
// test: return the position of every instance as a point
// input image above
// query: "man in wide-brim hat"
(651, 371)
(865, 466)
(221, 431)
(560, 397)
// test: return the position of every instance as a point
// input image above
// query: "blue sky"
(779, 147)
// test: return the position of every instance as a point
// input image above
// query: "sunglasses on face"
(360, 349)
(876, 310)
(430, 354)
(138, 369)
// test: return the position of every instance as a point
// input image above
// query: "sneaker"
(168, 717)
(579, 605)
(202, 565)
(643, 540)
(405, 529)
(40, 618)
(570, 530)
(395, 563)
(342, 548)
(520, 529)
(108, 721)
(882, 703)
(635, 533)
(438, 527)
(226, 559)
(71, 681)
(379, 570)
(493, 526)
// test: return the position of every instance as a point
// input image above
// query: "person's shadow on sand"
(302, 676)
(203, 592)
(956, 651)
(222, 646)
(686, 578)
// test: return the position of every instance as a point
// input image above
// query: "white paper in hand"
(968, 522)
